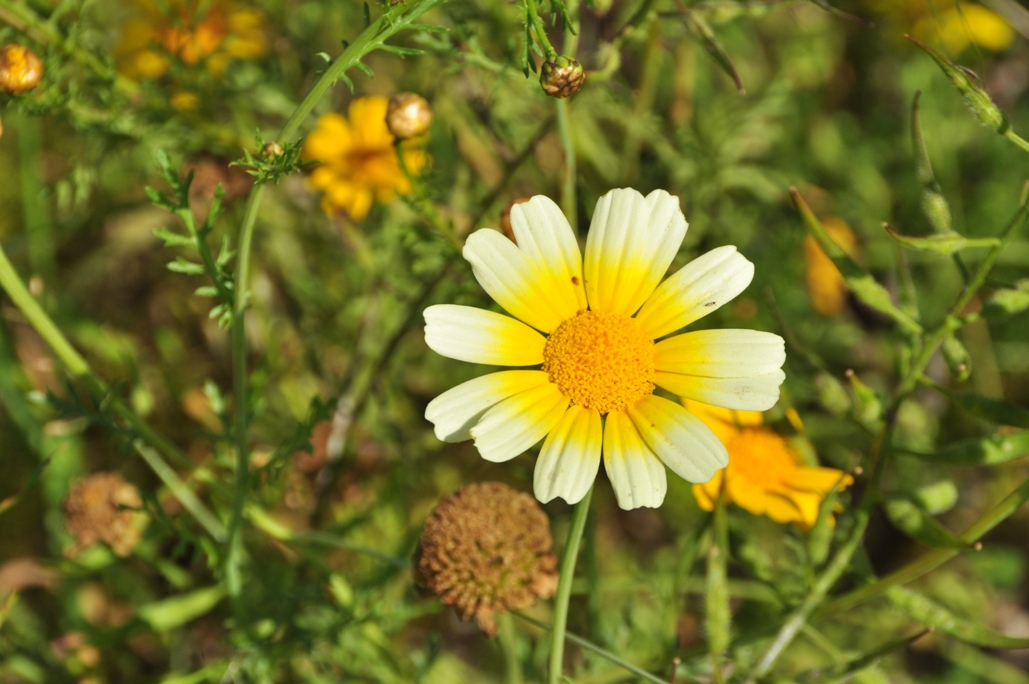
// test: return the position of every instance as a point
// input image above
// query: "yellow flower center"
(761, 456)
(601, 360)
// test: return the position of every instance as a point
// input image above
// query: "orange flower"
(764, 475)
(825, 284)
(358, 163)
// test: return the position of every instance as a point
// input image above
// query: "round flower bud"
(272, 150)
(20, 69)
(487, 549)
(562, 77)
(409, 115)
(104, 508)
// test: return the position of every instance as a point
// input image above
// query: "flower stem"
(79, 369)
(509, 647)
(541, 32)
(564, 588)
(568, 199)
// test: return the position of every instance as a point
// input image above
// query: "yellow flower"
(596, 321)
(958, 27)
(825, 284)
(764, 475)
(358, 162)
(210, 33)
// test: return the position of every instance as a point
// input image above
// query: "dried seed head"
(20, 69)
(409, 115)
(487, 549)
(104, 507)
(562, 77)
(273, 150)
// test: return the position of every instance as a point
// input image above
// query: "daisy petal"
(515, 424)
(631, 243)
(479, 336)
(721, 353)
(454, 412)
(636, 474)
(695, 290)
(680, 439)
(512, 281)
(747, 394)
(570, 458)
(546, 239)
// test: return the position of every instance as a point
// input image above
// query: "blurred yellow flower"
(358, 163)
(764, 475)
(825, 284)
(211, 33)
(959, 26)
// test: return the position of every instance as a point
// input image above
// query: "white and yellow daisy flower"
(605, 346)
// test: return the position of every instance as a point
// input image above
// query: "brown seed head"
(20, 69)
(505, 218)
(562, 77)
(272, 150)
(487, 549)
(409, 115)
(103, 507)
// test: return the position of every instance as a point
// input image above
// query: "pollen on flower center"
(760, 456)
(601, 360)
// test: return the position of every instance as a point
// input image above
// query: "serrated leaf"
(860, 281)
(917, 524)
(180, 265)
(346, 80)
(157, 198)
(992, 450)
(929, 613)
(172, 239)
(365, 68)
(709, 41)
(945, 244)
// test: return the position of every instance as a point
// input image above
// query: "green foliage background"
(316, 587)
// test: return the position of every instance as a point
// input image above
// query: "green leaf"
(959, 361)
(365, 68)
(206, 291)
(992, 450)
(993, 410)
(6, 605)
(820, 537)
(934, 204)
(975, 97)
(928, 612)
(1008, 301)
(179, 610)
(173, 239)
(180, 265)
(401, 50)
(702, 32)
(860, 281)
(917, 524)
(945, 244)
(937, 497)
(841, 671)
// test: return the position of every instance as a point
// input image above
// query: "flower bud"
(272, 150)
(20, 69)
(487, 549)
(562, 77)
(409, 115)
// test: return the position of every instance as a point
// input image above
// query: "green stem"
(1017, 139)
(592, 647)
(568, 200)
(34, 205)
(541, 33)
(564, 589)
(391, 22)
(800, 616)
(79, 369)
(932, 560)
(718, 616)
(509, 647)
